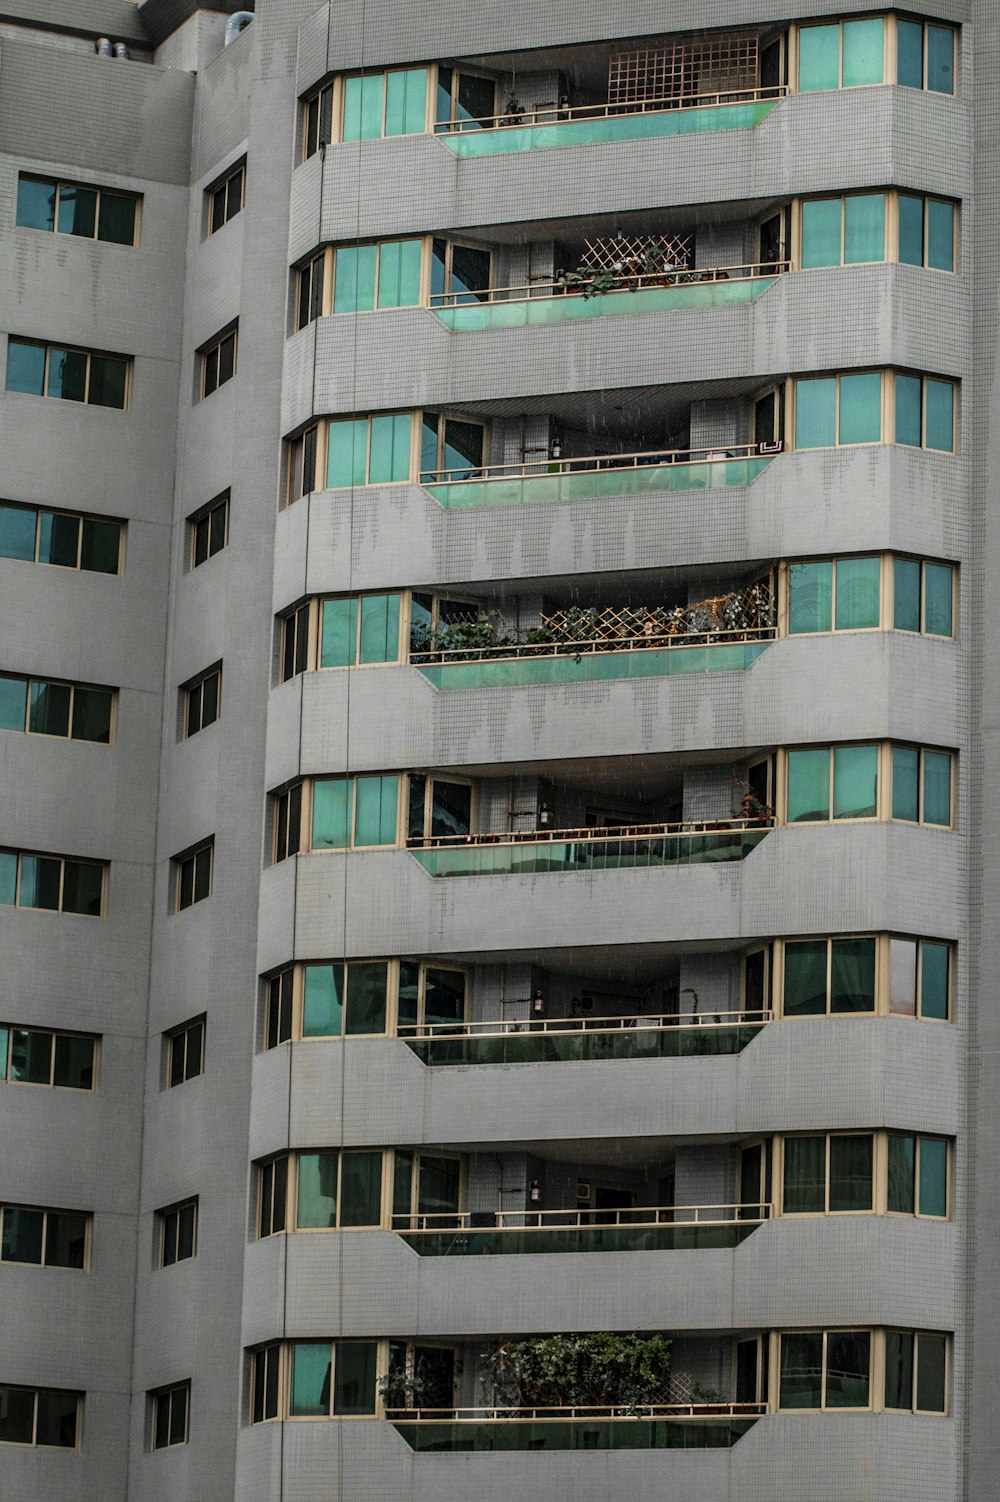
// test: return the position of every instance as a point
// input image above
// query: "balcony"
(633, 1229)
(569, 850)
(704, 1426)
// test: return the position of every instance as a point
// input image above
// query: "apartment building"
(495, 735)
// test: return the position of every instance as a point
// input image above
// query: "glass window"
(367, 985)
(354, 1377)
(317, 1197)
(816, 413)
(910, 53)
(855, 782)
(805, 990)
(331, 813)
(23, 1233)
(311, 1371)
(810, 597)
(852, 975)
(116, 219)
(363, 105)
(933, 1174)
(25, 367)
(375, 810)
(819, 58)
(338, 648)
(906, 594)
(821, 230)
(36, 203)
(848, 1362)
(932, 1358)
(439, 1185)
(322, 1008)
(858, 593)
(909, 425)
(805, 1176)
(13, 703)
(936, 788)
(100, 546)
(939, 397)
(903, 977)
(905, 783)
(390, 448)
(67, 374)
(49, 708)
(406, 101)
(934, 966)
(938, 602)
(77, 211)
(864, 227)
(354, 287)
(851, 1162)
(361, 1189)
(941, 59)
(379, 640)
(808, 798)
(17, 532)
(911, 230)
(940, 235)
(860, 408)
(444, 996)
(8, 878)
(863, 52)
(899, 1367)
(74, 1062)
(347, 453)
(801, 1375)
(399, 265)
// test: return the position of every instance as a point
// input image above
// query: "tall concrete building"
(496, 733)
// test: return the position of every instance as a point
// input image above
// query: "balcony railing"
(589, 850)
(595, 475)
(519, 1232)
(593, 124)
(558, 301)
(584, 1039)
(694, 1426)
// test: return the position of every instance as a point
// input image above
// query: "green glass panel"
(910, 55)
(347, 455)
(637, 127)
(67, 374)
(934, 980)
(36, 204)
(8, 878)
(911, 230)
(38, 883)
(596, 667)
(354, 279)
(819, 58)
(363, 107)
(902, 1171)
(408, 993)
(58, 539)
(801, 1375)
(25, 367)
(905, 776)
(331, 813)
(940, 235)
(941, 59)
(399, 265)
(375, 810)
(858, 593)
(906, 594)
(937, 788)
(317, 1198)
(821, 226)
(354, 1376)
(77, 211)
(933, 1176)
(805, 1175)
(852, 975)
(30, 1057)
(379, 628)
(899, 1370)
(816, 413)
(4, 1051)
(861, 408)
(808, 786)
(13, 703)
(864, 46)
(568, 486)
(116, 219)
(909, 427)
(311, 1364)
(17, 533)
(848, 1365)
(406, 102)
(864, 227)
(338, 643)
(390, 448)
(92, 710)
(366, 997)
(939, 431)
(49, 710)
(851, 1165)
(361, 1189)
(322, 1007)
(517, 313)
(805, 979)
(932, 1358)
(855, 779)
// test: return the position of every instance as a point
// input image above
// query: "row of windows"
(411, 101)
(91, 212)
(869, 406)
(53, 1417)
(64, 539)
(70, 710)
(44, 1238)
(73, 375)
(68, 1061)
(54, 883)
(857, 227)
(880, 781)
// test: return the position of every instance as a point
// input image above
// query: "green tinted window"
(852, 975)
(910, 54)
(933, 1176)
(354, 279)
(317, 1197)
(17, 533)
(810, 597)
(905, 775)
(909, 426)
(354, 1377)
(366, 997)
(851, 1160)
(941, 59)
(805, 1175)
(940, 422)
(819, 58)
(855, 782)
(902, 1175)
(801, 1377)
(322, 1007)
(816, 413)
(390, 448)
(77, 211)
(406, 102)
(311, 1365)
(331, 813)
(360, 1189)
(848, 1360)
(905, 594)
(863, 52)
(67, 374)
(375, 810)
(338, 645)
(932, 1357)
(808, 786)
(934, 980)
(347, 456)
(861, 408)
(864, 227)
(937, 788)
(911, 230)
(363, 99)
(4, 1051)
(805, 979)
(940, 235)
(379, 628)
(48, 713)
(36, 204)
(399, 273)
(25, 367)
(858, 593)
(8, 878)
(821, 232)
(13, 703)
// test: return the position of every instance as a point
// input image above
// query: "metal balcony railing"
(677, 276)
(593, 463)
(591, 1220)
(605, 1412)
(502, 1027)
(554, 114)
(642, 641)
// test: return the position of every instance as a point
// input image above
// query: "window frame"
(33, 1443)
(49, 346)
(81, 517)
(268, 1171)
(194, 1029)
(213, 349)
(888, 52)
(172, 1393)
(45, 1211)
(64, 860)
(915, 1335)
(99, 190)
(384, 1221)
(178, 864)
(280, 1354)
(298, 630)
(167, 1233)
(222, 185)
(888, 427)
(891, 227)
(311, 141)
(53, 1034)
(205, 515)
(353, 778)
(876, 1370)
(887, 599)
(31, 682)
(193, 695)
(340, 98)
(880, 1206)
(883, 786)
(295, 1003)
(775, 973)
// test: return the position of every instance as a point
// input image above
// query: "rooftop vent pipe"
(237, 23)
(103, 47)
(121, 51)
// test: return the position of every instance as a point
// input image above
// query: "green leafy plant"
(398, 1390)
(591, 1370)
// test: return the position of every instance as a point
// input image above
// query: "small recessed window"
(178, 1233)
(278, 1008)
(36, 1056)
(272, 1197)
(170, 1407)
(193, 876)
(70, 711)
(62, 538)
(185, 1052)
(52, 883)
(70, 375)
(209, 530)
(288, 823)
(218, 362)
(201, 701)
(37, 1416)
(295, 642)
(226, 201)
(75, 209)
(44, 1238)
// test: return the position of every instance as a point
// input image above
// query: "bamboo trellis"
(672, 68)
(641, 254)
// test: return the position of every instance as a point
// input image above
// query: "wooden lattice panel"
(750, 609)
(641, 253)
(671, 69)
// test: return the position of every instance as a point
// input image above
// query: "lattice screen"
(669, 69)
(639, 253)
(750, 609)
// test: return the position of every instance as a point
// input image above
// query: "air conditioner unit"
(584, 1192)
